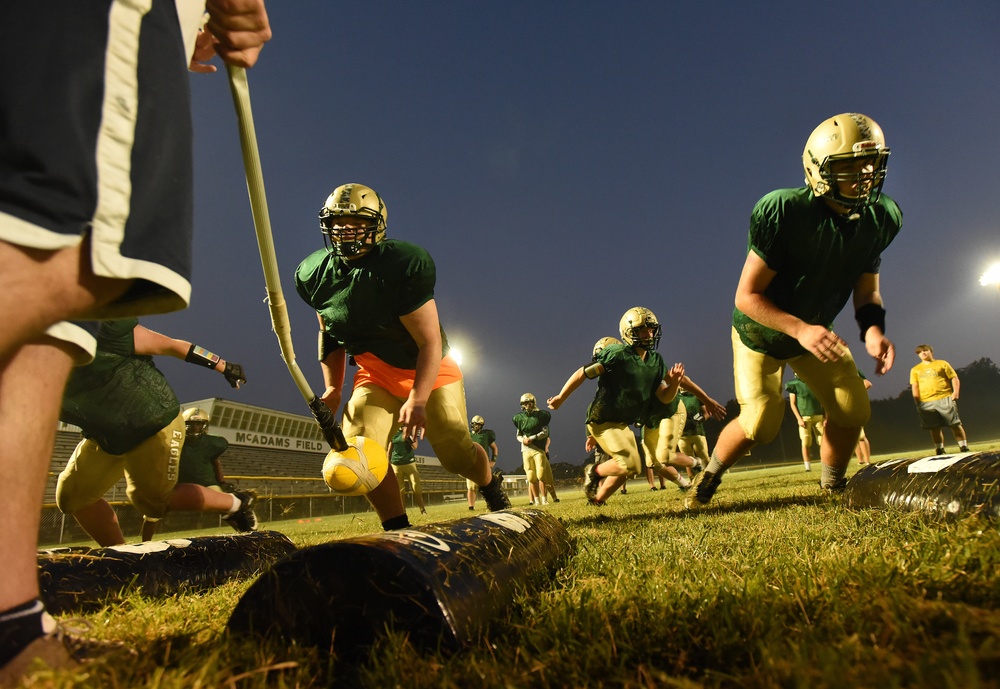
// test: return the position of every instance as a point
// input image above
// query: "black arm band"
(869, 315)
(202, 357)
(327, 344)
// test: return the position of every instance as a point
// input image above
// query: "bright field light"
(991, 276)
(456, 355)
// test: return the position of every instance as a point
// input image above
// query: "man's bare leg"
(31, 388)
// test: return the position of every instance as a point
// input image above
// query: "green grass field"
(773, 585)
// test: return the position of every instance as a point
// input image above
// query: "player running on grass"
(811, 249)
(628, 375)
(133, 426)
(488, 439)
(374, 298)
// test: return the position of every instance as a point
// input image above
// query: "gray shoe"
(702, 489)
(244, 519)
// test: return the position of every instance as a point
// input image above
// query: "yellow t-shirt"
(933, 379)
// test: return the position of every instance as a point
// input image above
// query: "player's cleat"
(56, 650)
(244, 519)
(697, 468)
(494, 494)
(472, 507)
(702, 489)
(653, 488)
(624, 490)
(46, 651)
(591, 479)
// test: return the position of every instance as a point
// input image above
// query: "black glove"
(234, 374)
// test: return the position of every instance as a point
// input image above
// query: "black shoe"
(591, 479)
(494, 494)
(472, 507)
(624, 490)
(702, 489)
(244, 519)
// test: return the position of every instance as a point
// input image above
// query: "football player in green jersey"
(693, 442)
(488, 439)
(532, 426)
(628, 375)
(200, 460)
(374, 298)
(132, 426)
(403, 459)
(808, 415)
(810, 251)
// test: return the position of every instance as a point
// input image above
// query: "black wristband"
(202, 357)
(869, 315)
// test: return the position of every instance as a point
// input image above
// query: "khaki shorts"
(150, 470)
(533, 461)
(373, 412)
(618, 441)
(836, 384)
(660, 443)
(408, 472)
(694, 446)
(812, 429)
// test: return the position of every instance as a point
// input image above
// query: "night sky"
(564, 161)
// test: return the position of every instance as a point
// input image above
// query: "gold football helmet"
(353, 201)
(830, 151)
(636, 318)
(604, 342)
(528, 402)
(195, 420)
(477, 423)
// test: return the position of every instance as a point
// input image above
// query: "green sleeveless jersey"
(361, 300)
(197, 457)
(121, 398)
(626, 386)
(818, 256)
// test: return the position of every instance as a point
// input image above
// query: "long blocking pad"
(79, 578)
(441, 583)
(955, 485)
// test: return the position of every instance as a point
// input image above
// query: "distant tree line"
(894, 425)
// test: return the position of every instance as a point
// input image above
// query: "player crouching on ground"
(628, 374)
(374, 298)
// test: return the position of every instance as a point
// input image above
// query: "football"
(358, 469)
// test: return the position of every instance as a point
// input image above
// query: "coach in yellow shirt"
(935, 389)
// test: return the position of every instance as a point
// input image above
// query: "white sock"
(237, 504)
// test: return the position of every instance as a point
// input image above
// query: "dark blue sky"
(564, 161)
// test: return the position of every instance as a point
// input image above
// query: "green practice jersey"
(485, 438)
(197, 457)
(361, 300)
(121, 398)
(626, 386)
(401, 450)
(693, 425)
(818, 256)
(533, 423)
(805, 400)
